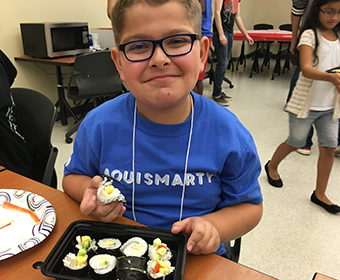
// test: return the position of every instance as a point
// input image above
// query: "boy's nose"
(159, 57)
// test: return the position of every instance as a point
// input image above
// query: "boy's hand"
(203, 236)
(91, 205)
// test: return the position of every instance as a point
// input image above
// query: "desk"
(203, 267)
(266, 36)
(318, 276)
(57, 62)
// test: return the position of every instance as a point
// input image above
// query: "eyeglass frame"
(193, 38)
(330, 14)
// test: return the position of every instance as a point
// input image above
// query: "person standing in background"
(14, 153)
(316, 98)
(206, 31)
(227, 12)
(110, 4)
(300, 9)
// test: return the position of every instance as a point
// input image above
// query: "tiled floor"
(295, 238)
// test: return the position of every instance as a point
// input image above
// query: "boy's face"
(160, 81)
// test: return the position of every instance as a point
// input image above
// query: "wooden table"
(318, 276)
(203, 267)
(57, 62)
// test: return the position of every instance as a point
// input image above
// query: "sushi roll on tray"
(102, 266)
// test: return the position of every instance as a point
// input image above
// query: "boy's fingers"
(88, 204)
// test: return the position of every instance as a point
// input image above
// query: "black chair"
(282, 53)
(233, 249)
(211, 72)
(97, 79)
(262, 49)
(35, 115)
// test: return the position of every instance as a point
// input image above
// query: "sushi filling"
(109, 243)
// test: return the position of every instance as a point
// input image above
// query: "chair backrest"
(96, 75)
(35, 115)
(287, 27)
(263, 26)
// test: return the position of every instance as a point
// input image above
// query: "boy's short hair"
(192, 8)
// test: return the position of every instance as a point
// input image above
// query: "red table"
(263, 36)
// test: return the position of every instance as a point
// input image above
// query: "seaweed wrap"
(131, 262)
(130, 274)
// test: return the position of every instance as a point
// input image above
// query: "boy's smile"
(161, 84)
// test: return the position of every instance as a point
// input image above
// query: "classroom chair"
(35, 115)
(97, 79)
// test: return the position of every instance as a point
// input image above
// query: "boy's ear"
(204, 52)
(116, 57)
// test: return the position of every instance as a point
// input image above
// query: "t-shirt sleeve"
(298, 7)
(240, 181)
(307, 38)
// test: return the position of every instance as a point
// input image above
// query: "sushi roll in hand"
(107, 193)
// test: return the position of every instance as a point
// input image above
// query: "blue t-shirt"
(223, 165)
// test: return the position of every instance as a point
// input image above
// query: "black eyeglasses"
(330, 13)
(175, 45)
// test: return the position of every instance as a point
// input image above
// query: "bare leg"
(281, 152)
(325, 163)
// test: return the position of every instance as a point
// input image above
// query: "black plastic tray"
(53, 265)
(333, 70)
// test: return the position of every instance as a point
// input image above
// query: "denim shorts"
(326, 128)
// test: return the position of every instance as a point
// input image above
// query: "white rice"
(106, 198)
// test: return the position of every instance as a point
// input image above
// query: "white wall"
(41, 77)
(13, 12)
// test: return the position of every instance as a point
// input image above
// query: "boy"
(227, 12)
(152, 138)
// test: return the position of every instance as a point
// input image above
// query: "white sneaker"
(303, 151)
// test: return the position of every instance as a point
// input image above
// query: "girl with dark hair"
(316, 97)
